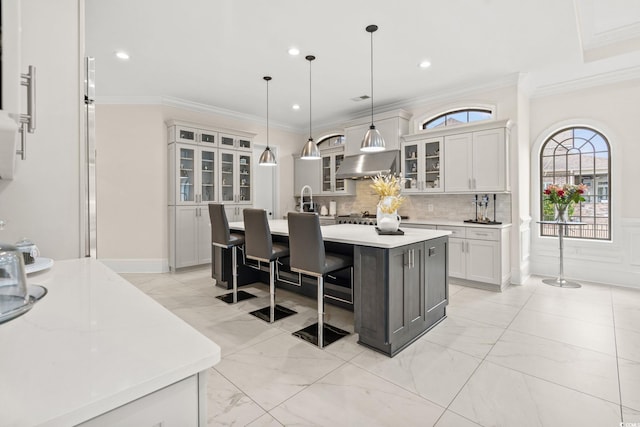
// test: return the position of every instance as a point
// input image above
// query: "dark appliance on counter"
(482, 217)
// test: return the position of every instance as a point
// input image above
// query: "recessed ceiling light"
(293, 51)
(424, 64)
(295, 106)
(120, 54)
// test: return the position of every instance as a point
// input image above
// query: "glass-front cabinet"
(195, 177)
(235, 177)
(330, 162)
(422, 165)
(235, 142)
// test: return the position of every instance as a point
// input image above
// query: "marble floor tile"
(498, 396)
(467, 336)
(588, 371)
(265, 421)
(487, 312)
(240, 331)
(575, 332)
(587, 311)
(276, 369)
(625, 296)
(630, 416)
(515, 296)
(228, 406)
(628, 343)
(351, 396)
(588, 292)
(454, 289)
(432, 371)
(451, 419)
(627, 317)
(630, 383)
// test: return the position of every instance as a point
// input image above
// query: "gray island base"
(400, 283)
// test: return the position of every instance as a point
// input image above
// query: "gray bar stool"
(308, 256)
(223, 238)
(259, 246)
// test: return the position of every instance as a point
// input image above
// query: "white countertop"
(93, 343)
(449, 222)
(363, 235)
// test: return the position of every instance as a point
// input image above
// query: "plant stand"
(560, 281)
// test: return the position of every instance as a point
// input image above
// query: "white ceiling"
(215, 52)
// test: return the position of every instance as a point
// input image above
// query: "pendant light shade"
(372, 140)
(267, 157)
(310, 150)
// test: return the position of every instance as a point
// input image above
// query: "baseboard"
(137, 265)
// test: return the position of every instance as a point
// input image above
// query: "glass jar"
(29, 250)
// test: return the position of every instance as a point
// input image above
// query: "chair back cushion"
(306, 246)
(257, 235)
(219, 225)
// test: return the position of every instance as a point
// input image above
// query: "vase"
(387, 221)
(561, 212)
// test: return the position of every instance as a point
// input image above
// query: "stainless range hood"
(370, 164)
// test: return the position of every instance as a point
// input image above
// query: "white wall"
(612, 110)
(42, 202)
(132, 178)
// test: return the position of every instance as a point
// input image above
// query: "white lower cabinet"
(174, 406)
(190, 236)
(234, 212)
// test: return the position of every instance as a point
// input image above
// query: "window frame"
(547, 230)
(467, 110)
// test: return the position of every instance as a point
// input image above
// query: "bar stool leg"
(234, 269)
(272, 292)
(320, 312)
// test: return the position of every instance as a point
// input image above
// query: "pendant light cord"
(310, 104)
(268, 114)
(371, 77)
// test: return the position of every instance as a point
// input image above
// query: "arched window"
(331, 141)
(458, 117)
(578, 155)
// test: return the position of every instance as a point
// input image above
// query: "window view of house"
(579, 155)
(457, 117)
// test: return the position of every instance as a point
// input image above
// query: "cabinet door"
(353, 138)
(208, 176)
(203, 224)
(431, 165)
(410, 153)
(489, 160)
(457, 259)
(244, 144)
(227, 175)
(406, 292)
(327, 167)
(483, 261)
(186, 236)
(436, 292)
(186, 181)
(226, 141)
(186, 135)
(458, 162)
(244, 181)
(208, 138)
(339, 185)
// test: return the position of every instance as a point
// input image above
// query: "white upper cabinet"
(472, 158)
(329, 164)
(391, 125)
(235, 142)
(422, 165)
(305, 172)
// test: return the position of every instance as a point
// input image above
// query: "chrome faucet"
(302, 202)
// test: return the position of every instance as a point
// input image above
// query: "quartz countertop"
(454, 223)
(363, 235)
(93, 343)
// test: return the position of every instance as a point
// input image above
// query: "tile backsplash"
(455, 207)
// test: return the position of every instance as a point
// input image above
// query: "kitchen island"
(400, 282)
(97, 351)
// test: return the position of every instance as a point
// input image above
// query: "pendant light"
(310, 150)
(267, 158)
(372, 140)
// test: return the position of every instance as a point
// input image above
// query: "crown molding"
(601, 79)
(168, 101)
